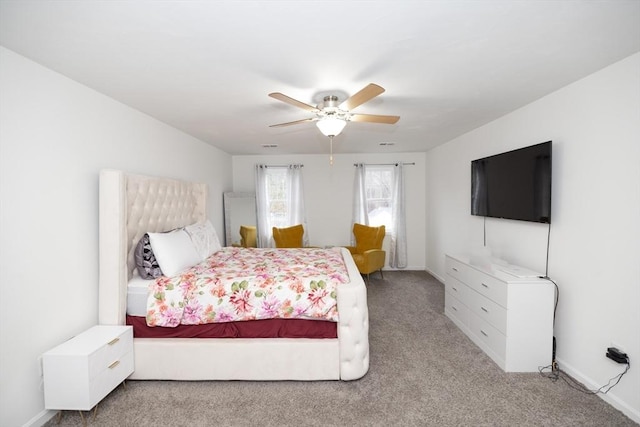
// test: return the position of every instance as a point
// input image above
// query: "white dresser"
(509, 317)
(80, 372)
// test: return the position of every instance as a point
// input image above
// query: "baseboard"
(611, 399)
(40, 419)
(434, 274)
(407, 268)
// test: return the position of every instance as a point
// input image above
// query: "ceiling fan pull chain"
(331, 151)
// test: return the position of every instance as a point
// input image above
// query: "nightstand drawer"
(116, 346)
(110, 377)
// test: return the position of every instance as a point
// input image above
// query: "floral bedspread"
(237, 284)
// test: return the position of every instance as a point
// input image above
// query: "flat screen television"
(513, 185)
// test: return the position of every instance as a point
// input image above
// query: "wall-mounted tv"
(513, 185)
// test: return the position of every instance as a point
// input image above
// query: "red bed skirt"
(269, 328)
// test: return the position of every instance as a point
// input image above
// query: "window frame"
(280, 187)
(379, 179)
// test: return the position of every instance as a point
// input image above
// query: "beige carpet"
(423, 372)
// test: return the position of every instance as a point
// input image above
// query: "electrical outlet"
(618, 346)
(616, 354)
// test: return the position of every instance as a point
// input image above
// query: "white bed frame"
(131, 205)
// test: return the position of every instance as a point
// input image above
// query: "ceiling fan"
(331, 116)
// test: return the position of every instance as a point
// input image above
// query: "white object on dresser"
(80, 372)
(510, 318)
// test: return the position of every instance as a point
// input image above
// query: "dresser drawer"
(455, 309)
(456, 269)
(488, 286)
(457, 289)
(495, 341)
(487, 310)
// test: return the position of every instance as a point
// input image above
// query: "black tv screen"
(513, 185)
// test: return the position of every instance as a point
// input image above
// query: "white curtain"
(360, 209)
(398, 238)
(294, 199)
(262, 207)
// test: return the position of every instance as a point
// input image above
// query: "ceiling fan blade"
(369, 92)
(374, 118)
(297, 122)
(284, 98)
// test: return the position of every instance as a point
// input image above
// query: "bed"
(132, 205)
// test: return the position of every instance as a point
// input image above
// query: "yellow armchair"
(249, 236)
(368, 254)
(288, 237)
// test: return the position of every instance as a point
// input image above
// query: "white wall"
(329, 195)
(595, 233)
(55, 136)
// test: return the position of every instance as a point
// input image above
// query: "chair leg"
(381, 276)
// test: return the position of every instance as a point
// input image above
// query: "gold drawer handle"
(113, 341)
(114, 364)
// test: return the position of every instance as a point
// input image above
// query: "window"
(277, 196)
(279, 200)
(379, 195)
(379, 200)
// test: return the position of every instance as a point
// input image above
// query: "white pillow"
(174, 251)
(204, 238)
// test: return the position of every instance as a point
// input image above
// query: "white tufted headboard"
(131, 205)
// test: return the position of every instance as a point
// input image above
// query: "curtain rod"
(280, 166)
(384, 164)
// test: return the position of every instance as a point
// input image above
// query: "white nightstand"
(80, 372)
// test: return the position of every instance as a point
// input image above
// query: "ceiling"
(206, 67)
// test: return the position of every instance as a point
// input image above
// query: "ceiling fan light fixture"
(331, 126)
